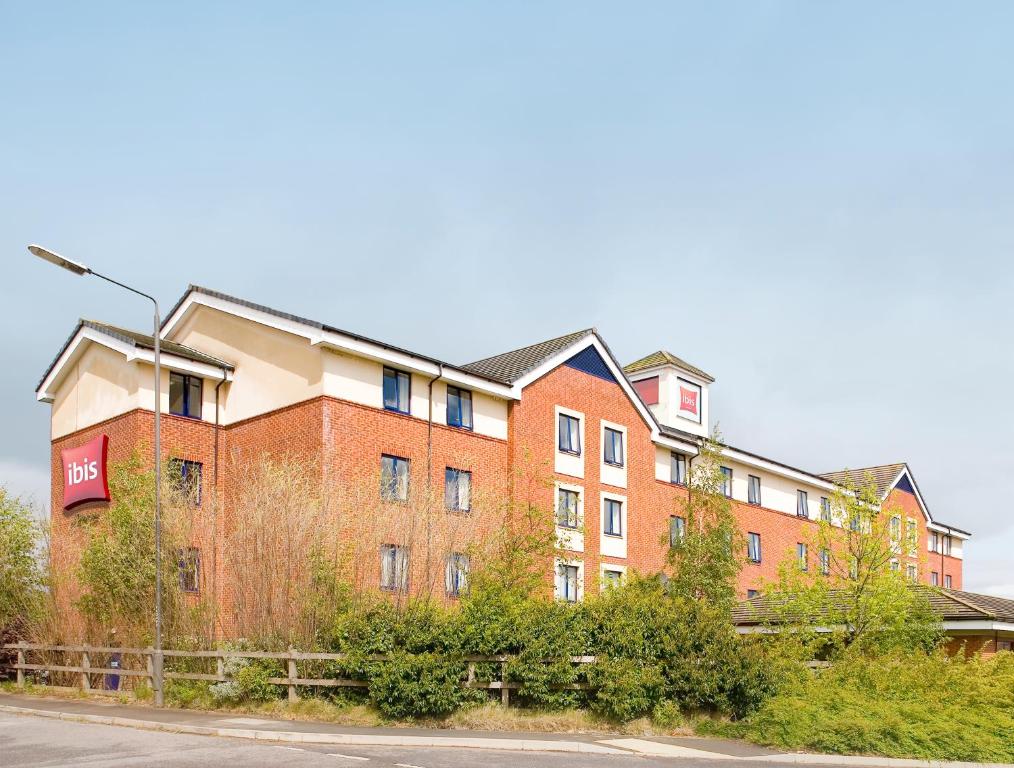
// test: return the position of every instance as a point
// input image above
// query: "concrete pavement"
(312, 737)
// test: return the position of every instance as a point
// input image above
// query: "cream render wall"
(273, 368)
(101, 384)
(777, 493)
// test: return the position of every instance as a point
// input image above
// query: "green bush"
(252, 681)
(911, 704)
(418, 685)
(625, 689)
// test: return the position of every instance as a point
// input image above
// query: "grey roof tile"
(511, 366)
(665, 358)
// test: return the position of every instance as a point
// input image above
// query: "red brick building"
(614, 445)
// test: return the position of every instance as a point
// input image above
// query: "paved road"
(36, 742)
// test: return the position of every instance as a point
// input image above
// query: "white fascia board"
(939, 528)
(181, 364)
(46, 392)
(336, 341)
(655, 370)
(777, 469)
(980, 625)
(676, 445)
(361, 348)
(584, 342)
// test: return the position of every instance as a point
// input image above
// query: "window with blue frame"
(613, 518)
(393, 478)
(185, 477)
(457, 489)
(753, 490)
(613, 442)
(185, 393)
(567, 508)
(397, 390)
(189, 569)
(726, 482)
(459, 408)
(753, 547)
(678, 468)
(677, 527)
(456, 574)
(567, 579)
(570, 434)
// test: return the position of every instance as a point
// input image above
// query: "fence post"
(21, 662)
(505, 692)
(149, 666)
(471, 672)
(86, 664)
(220, 666)
(292, 675)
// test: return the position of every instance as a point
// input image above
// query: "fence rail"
(292, 657)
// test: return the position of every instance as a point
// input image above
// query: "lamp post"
(80, 269)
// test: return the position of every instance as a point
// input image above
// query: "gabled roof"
(133, 339)
(509, 367)
(295, 320)
(883, 476)
(662, 357)
(949, 604)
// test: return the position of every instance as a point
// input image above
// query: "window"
(677, 527)
(855, 523)
(566, 508)
(613, 441)
(185, 477)
(947, 581)
(934, 542)
(895, 566)
(825, 562)
(570, 434)
(678, 468)
(911, 536)
(567, 582)
(458, 489)
(753, 490)
(801, 556)
(393, 478)
(935, 578)
(947, 545)
(456, 577)
(613, 522)
(459, 408)
(397, 390)
(912, 573)
(1005, 645)
(611, 579)
(727, 482)
(753, 547)
(751, 594)
(189, 561)
(185, 394)
(393, 568)
(896, 530)
(854, 568)
(802, 510)
(825, 509)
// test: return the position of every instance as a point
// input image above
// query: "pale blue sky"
(812, 201)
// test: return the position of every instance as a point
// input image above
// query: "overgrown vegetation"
(666, 652)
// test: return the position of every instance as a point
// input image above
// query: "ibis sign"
(84, 473)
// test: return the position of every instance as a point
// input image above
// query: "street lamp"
(80, 269)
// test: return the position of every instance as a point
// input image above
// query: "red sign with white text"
(688, 400)
(84, 473)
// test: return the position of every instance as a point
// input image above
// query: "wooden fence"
(145, 667)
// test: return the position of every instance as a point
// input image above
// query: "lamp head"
(61, 261)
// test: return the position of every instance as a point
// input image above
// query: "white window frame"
(567, 463)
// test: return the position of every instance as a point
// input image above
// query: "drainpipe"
(429, 468)
(214, 506)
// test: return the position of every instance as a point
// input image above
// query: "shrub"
(418, 685)
(667, 715)
(625, 689)
(913, 705)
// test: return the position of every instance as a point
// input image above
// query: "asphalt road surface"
(34, 742)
